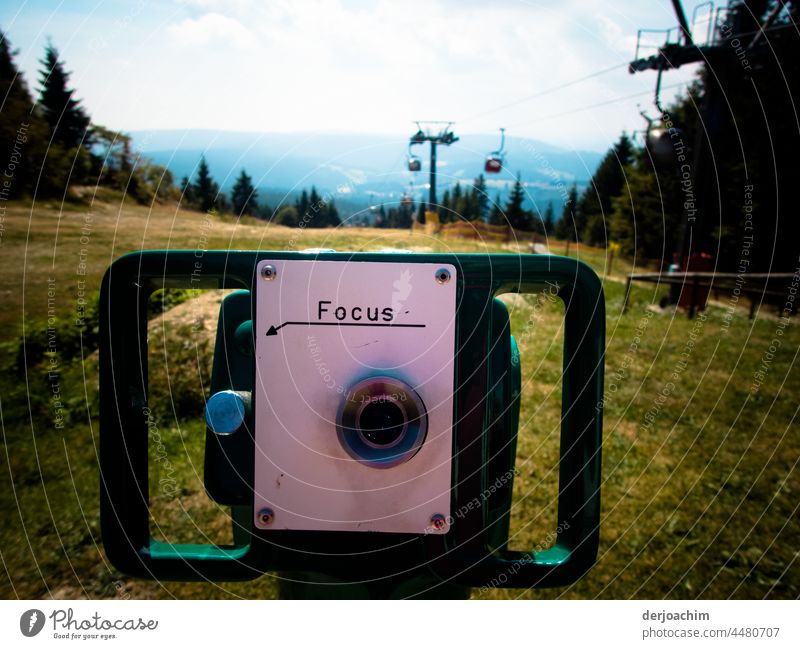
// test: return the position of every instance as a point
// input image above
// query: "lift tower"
(436, 133)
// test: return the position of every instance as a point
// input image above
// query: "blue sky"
(353, 66)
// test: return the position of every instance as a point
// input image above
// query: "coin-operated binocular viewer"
(362, 420)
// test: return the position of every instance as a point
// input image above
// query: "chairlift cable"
(548, 91)
(597, 105)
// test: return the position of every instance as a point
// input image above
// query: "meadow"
(700, 478)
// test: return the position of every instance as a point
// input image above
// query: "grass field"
(700, 476)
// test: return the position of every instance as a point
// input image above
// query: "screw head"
(438, 522)
(266, 516)
(442, 276)
(268, 272)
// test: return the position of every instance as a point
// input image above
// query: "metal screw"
(266, 516)
(442, 276)
(269, 272)
(438, 522)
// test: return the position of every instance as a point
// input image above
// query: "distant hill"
(363, 169)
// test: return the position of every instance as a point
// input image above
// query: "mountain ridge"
(364, 166)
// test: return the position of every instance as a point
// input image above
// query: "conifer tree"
(243, 195)
(608, 181)
(518, 217)
(302, 206)
(549, 220)
(496, 216)
(565, 228)
(205, 189)
(23, 133)
(64, 114)
(481, 198)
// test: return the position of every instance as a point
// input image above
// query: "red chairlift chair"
(496, 159)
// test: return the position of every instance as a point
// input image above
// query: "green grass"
(701, 503)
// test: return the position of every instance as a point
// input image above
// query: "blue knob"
(225, 412)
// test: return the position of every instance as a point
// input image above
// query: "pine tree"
(457, 202)
(405, 216)
(565, 228)
(332, 219)
(640, 218)
(302, 207)
(288, 216)
(243, 195)
(549, 220)
(496, 216)
(67, 119)
(317, 210)
(481, 198)
(608, 181)
(446, 211)
(23, 133)
(518, 217)
(187, 191)
(205, 189)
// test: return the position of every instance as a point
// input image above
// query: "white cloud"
(361, 65)
(212, 29)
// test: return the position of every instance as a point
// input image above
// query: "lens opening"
(382, 422)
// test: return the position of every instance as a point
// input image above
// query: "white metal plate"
(325, 314)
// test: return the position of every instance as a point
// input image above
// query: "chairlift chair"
(414, 162)
(496, 159)
(660, 142)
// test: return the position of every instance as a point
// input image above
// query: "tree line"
(50, 148)
(472, 203)
(49, 144)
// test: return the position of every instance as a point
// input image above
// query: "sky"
(352, 65)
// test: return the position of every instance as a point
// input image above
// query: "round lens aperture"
(382, 422)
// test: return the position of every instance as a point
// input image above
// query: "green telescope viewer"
(362, 420)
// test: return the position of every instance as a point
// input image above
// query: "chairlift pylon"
(496, 159)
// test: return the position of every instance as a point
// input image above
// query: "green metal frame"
(474, 551)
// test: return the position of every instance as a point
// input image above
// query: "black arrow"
(273, 330)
